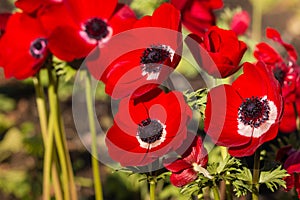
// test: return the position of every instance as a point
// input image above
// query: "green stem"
(58, 136)
(256, 173)
(215, 191)
(68, 159)
(228, 191)
(256, 19)
(47, 140)
(95, 163)
(152, 185)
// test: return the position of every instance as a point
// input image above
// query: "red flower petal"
(292, 163)
(63, 40)
(224, 48)
(173, 116)
(267, 54)
(288, 121)
(177, 166)
(221, 116)
(28, 6)
(3, 21)
(82, 11)
(183, 178)
(167, 16)
(274, 35)
(12, 45)
(250, 148)
(123, 19)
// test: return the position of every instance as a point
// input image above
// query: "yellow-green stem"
(55, 177)
(215, 191)
(95, 163)
(256, 173)
(48, 142)
(257, 14)
(152, 185)
(54, 113)
(68, 159)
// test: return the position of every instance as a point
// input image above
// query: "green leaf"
(273, 179)
(197, 100)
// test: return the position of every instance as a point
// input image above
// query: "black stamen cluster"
(254, 111)
(96, 28)
(37, 47)
(150, 130)
(154, 54)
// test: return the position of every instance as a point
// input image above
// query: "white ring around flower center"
(89, 40)
(249, 131)
(146, 145)
(153, 75)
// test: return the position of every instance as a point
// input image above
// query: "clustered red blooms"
(66, 29)
(286, 71)
(151, 122)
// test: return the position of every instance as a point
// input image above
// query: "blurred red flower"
(147, 128)
(156, 54)
(76, 27)
(223, 47)
(240, 22)
(23, 47)
(197, 15)
(186, 168)
(286, 71)
(291, 162)
(246, 114)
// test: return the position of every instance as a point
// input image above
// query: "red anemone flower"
(286, 71)
(83, 25)
(193, 161)
(147, 128)
(246, 114)
(23, 50)
(291, 159)
(240, 22)
(223, 48)
(197, 15)
(156, 43)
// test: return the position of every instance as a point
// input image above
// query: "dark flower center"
(38, 47)
(155, 54)
(152, 56)
(150, 130)
(96, 28)
(254, 111)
